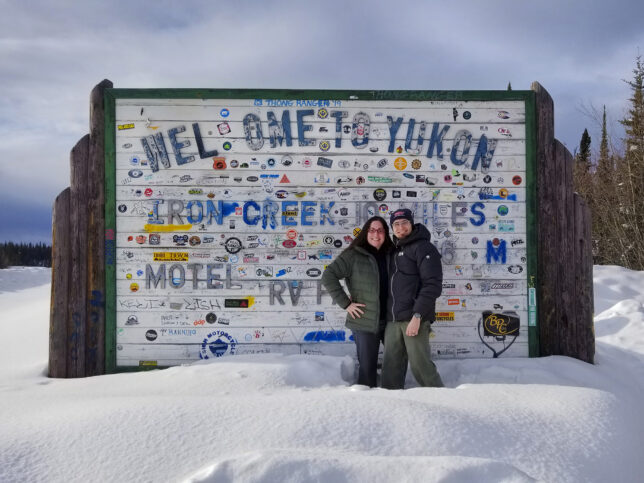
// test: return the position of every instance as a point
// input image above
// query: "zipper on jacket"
(393, 299)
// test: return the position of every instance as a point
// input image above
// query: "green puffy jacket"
(360, 271)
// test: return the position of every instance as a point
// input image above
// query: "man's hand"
(354, 310)
(412, 328)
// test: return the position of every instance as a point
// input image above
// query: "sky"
(294, 418)
(53, 54)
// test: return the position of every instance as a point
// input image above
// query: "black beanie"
(402, 213)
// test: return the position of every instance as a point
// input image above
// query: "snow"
(298, 418)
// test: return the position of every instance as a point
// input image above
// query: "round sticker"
(502, 210)
(323, 113)
(356, 231)
(360, 180)
(337, 243)
(487, 178)
(134, 160)
(211, 318)
(224, 112)
(135, 173)
(151, 335)
(134, 287)
(328, 240)
(467, 115)
(379, 194)
(383, 208)
(516, 179)
(400, 163)
(287, 160)
(122, 208)
(128, 276)
(234, 163)
(289, 243)
(291, 234)
(233, 245)
(325, 145)
(475, 240)
(496, 242)
(448, 178)
(148, 192)
(416, 164)
(271, 162)
(503, 193)
(227, 145)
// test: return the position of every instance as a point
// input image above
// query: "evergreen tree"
(584, 150)
(509, 86)
(630, 172)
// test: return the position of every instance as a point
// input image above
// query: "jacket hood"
(418, 232)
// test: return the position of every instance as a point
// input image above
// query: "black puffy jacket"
(416, 277)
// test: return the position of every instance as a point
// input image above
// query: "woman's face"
(376, 234)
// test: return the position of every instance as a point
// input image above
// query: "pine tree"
(584, 150)
(509, 86)
(630, 172)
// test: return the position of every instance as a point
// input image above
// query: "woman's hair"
(361, 239)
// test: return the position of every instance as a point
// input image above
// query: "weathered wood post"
(60, 273)
(95, 337)
(77, 314)
(563, 233)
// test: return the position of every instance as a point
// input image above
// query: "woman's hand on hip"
(354, 310)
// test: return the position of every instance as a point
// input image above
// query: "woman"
(363, 265)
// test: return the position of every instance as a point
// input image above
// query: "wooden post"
(565, 253)
(547, 228)
(95, 340)
(77, 322)
(584, 280)
(60, 273)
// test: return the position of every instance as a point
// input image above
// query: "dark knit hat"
(402, 213)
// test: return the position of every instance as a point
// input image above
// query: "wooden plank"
(95, 352)
(77, 328)
(584, 281)
(566, 268)
(60, 273)
(547, 225)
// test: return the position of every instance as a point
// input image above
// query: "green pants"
(399, 348)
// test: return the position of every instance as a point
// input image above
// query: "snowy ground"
(295, 418)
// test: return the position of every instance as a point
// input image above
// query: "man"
(416, 280)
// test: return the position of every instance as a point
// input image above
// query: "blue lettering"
(191, 218)
(307, 212)
(466, 137)
(360, 130)
(178, 146)
(339, 115)
(393, 129)
(247, 206)
(410, 136)
(436, 141)
(484, 152)
(276, 132)
(155, 151)
(475, 211)
(287, 220)
(301, 128)
(217, 212)
(202, 151)
(253, 131)
(496, 252)
(326, 213)
(268, 216)
(153, 217)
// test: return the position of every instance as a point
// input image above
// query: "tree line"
(25, 254)
(611, 181)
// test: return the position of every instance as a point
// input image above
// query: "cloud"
(53, 54)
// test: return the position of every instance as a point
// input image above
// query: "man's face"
(401, 228)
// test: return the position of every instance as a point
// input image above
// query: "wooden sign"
(224, 208)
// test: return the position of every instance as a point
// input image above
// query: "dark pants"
(367, 347)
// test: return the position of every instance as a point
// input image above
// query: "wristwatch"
(417, 314)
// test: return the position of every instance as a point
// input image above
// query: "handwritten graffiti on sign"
(229, 210)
